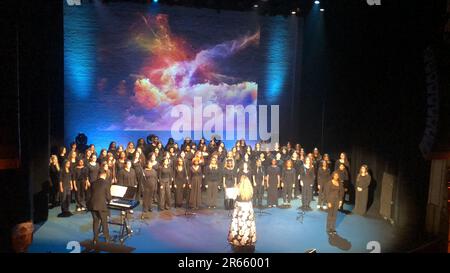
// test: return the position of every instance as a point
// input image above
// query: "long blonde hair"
(55, 159)
(245, 189)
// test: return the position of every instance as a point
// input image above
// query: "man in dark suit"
(100, 197)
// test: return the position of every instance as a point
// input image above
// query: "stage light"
(255, 5)
(322, 9)
(316, 2)
(293, 12)
(155, 1)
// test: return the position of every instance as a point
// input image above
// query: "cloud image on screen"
(126, 67)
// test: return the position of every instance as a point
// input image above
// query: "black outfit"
(180, 182)
(212, 178)
(92, 175)
(323, 176)
(288, 177)
(362, 196)
(272, 192)
(54, 185)
(149, 187)
(298, 165)
(139, 171)
(333, 195)
(80, 176)
(230, 176)
(100, 197)
(66, 180)
(258, 190)
(165, 180)
(127, 178)
(307, 176)
(343, 176)
(195, 198)
(247, 174)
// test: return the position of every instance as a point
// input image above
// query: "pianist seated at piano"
(98, 205)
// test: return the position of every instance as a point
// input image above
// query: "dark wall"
(34, 69)
(375, 106)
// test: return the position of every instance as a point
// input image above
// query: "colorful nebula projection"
(127, 66)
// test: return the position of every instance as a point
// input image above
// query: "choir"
(174, 175)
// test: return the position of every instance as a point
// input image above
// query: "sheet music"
(118, 191)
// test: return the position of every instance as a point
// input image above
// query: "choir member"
(65, 188)
(284, 154)
(62, 156)
(362, 190)
(342, 159)
(316, 158)
(220, 155)
(112, 147)
(155, 163)
(273, 183)
(127, 176)
(323, 176)
(245, 170)
(149, 185)
(165, 181)
(307, 182)
(229, 181)
(334, 192)
(189, 156)
(257, 151)
(80, 177)
(103, 156)
(121, 162)
(212, 177)
(245, 160)
(130, 151)
(343, 176)
(187, 142)
(326, 158)
(92, 148)
(137, 165)
(87, 156)
(195, 184)
(119, 151)
(54, 172)
(141, 144)
(180, 181)
(288, 178)
(259, 175)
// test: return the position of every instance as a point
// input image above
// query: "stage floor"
(173, 232)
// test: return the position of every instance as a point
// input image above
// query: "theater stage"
(166, 232)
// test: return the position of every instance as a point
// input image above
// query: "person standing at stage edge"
(100, 197)
(334, 192)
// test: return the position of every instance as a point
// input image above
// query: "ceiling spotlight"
(293, 12)
(316, 2)
(322, 9)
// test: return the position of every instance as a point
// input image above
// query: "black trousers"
(211, 193)
(80, 196)
(100, 217)
(258, 195)
(332, 215)
(148, 191)
(65, 200)
(307, 192)
(321, 200)
(287, 193)
(53, 195)
(164, 195)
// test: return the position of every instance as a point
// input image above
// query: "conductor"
(100, 197)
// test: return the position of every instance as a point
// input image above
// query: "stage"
(168, 232)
